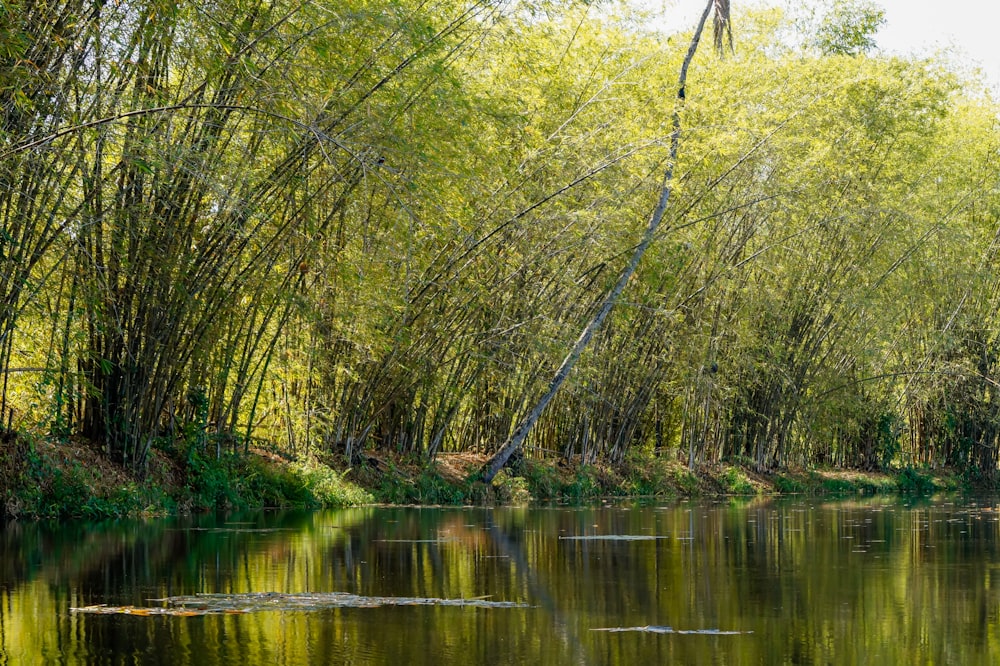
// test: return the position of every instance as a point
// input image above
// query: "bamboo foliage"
(378, 227)
(185, 192)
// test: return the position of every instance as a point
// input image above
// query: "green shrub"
(46, 491)
(325, 486)
(38, 486)
(585, 485)
(395, 491)
(263, 485)
(685, 480)
(788, 485)
(646, 474)
(397, 487)
(212, 482)
(234, 481)
(735, 482)
(913, 482)
(432, 488)
(837, 486)
(511, 489)
(542, 480)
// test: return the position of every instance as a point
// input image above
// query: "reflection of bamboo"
(565, 629)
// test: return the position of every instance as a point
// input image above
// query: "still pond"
(801, 581)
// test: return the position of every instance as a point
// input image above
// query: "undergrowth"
(37, 483)
(234, 481)
(40, 479)
(735, 482)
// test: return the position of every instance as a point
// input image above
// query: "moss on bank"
(42, 479)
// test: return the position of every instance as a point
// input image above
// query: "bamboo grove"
(377, 225)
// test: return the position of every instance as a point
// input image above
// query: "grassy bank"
(446, 481)
(43, 479)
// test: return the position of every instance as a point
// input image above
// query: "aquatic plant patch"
(654, 629)
(232, 604)
(613, 537)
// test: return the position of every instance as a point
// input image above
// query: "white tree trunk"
(493, 466)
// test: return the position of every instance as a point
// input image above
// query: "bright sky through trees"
(964, 29)
(967, 25)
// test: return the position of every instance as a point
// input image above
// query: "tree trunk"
(514, 442)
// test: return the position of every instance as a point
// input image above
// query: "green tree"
(848, 27)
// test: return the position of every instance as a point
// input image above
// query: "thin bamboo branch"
(516, 440)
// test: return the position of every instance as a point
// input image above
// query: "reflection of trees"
(510, 546)
(124, 564)
(844, 582)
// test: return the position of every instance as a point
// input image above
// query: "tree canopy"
(358, 226)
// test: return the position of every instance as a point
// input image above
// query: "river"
(762, 581)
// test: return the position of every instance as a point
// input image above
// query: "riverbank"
(43, 479)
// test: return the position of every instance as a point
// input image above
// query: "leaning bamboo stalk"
(516, 440)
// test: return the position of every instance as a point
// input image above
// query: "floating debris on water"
(445, 540)
(654, 629)
(613, 537)
(141, 611)
(233, 530)
(238, 604)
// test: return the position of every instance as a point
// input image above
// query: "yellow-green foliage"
(327, 487)
(350, 227)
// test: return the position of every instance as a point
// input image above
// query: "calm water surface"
(870, 581)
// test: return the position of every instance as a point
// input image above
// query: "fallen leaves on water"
(220, 604)
(613, 537)
(654, 629)
(141, 611)
(448, 540)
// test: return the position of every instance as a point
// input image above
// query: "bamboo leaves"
(380, 226)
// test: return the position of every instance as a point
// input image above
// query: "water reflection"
(857, 582)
